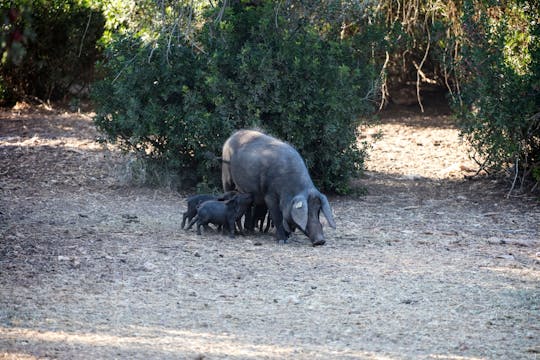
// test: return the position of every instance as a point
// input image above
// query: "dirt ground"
(427, 265)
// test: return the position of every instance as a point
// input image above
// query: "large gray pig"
(276, 175)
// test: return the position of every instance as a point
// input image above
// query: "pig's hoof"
(282, 242)
(319, 243)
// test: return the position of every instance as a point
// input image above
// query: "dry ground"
(425, 266)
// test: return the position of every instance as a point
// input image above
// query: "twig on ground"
(516, 172)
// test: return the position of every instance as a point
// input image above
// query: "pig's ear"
(327, 211)
(299, 211)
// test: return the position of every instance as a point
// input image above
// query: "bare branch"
(516, 172)
(221, 11)
(384, 85)
(84, 34)
(419, 70)
(124, 68)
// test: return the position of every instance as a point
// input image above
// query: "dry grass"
(426, 266)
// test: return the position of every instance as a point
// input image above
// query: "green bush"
(499, 103)
(152, 101)
(252, 66)
(287, 79)
(56, 48)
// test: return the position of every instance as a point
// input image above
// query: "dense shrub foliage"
(175, 102)
(154, 102)
(49, 48)
(283, 77)
(499, 99)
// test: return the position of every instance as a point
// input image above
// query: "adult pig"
(276, 175)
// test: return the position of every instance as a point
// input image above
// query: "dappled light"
(10, 355)
(69, 143)
(152, 340)
(145, 341)
(28, 129)
(176, 342)
(416, 148)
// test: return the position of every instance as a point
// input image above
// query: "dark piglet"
(194, 201)
(222, 213)
(258, 214)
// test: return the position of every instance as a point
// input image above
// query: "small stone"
(148, 266)
(293, 299)
(408, 301)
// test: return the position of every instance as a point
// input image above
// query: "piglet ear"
(299, 211)
(228, 195)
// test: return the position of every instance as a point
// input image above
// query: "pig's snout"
(318, 240)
